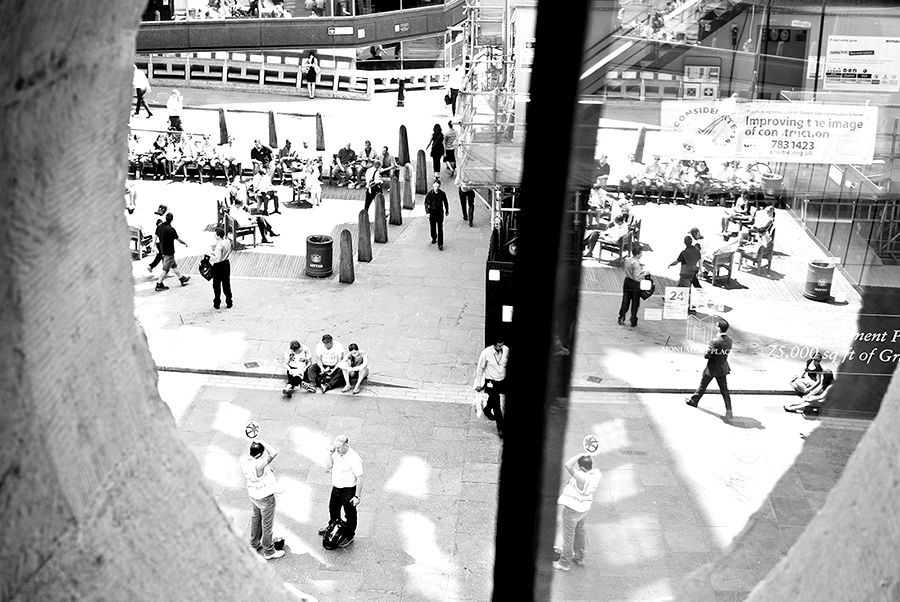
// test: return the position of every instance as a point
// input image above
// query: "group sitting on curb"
(333, 367)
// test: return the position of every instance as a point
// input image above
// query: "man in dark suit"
(436, 206)
(716, 367)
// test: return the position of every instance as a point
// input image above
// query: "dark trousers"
(156, 260)
(141, 103)
(264, 226)
(590, 241)
(319, 377)
(308, 375)
(340, 498)
(265, 197)
(722, 381)
(492, 408)
(689, 280)
(467, 204)
(454, 94)
(175, 123)
(436, 163)
(631, 296)
(221, 281)
(437, 228)
(371, 194)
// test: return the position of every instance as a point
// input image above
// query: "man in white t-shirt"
(329, 354)
(261, 487)
(576, 500)
(346, 486)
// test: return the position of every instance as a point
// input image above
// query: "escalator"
(625, 48)
(304, 33)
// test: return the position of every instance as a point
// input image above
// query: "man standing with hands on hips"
(436, 206)
(490, 376)
(346, 486)
(716, 367)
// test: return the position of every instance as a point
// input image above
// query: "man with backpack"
(346, 480)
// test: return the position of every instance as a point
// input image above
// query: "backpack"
(333, 535)
(205, 268)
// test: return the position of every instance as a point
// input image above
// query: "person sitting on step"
(813, 400)
(297, 361)
(355, 367)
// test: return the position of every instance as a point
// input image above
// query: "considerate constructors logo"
(710, 122)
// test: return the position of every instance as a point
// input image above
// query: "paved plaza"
(679, 484)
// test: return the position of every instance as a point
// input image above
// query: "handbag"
(647, 290)
(205, 268)
(447, 100)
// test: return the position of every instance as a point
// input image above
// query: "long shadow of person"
(741, 422)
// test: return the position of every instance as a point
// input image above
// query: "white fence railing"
(283, 76)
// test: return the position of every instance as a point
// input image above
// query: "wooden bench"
(620, 248)
(236, 231)
(758, 257)
(635, 229)
(722, 260)
(138, 241)
(221, 211)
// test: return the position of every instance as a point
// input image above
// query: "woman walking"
(437, 149)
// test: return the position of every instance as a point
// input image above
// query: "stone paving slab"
(430, 488)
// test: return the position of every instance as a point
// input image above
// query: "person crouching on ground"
(355, 366)
(297, 363)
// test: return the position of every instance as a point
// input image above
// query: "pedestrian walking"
(450, 149)
(467, 202)
(689, 258)
(490, 377)
(716, 368)
(373, 183)
(174, 105)
(261, 487)
(141, 86)
(161, 211)
(346, 486)
(167, 237)
(221, 269)
(436, 144)
(436, 206)
(454, 85)
(575, 501)
(631, 286)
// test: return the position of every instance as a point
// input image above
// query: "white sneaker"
(274, 555)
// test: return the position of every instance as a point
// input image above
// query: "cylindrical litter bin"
(319, 252)
(818, 280)
(771, 185)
